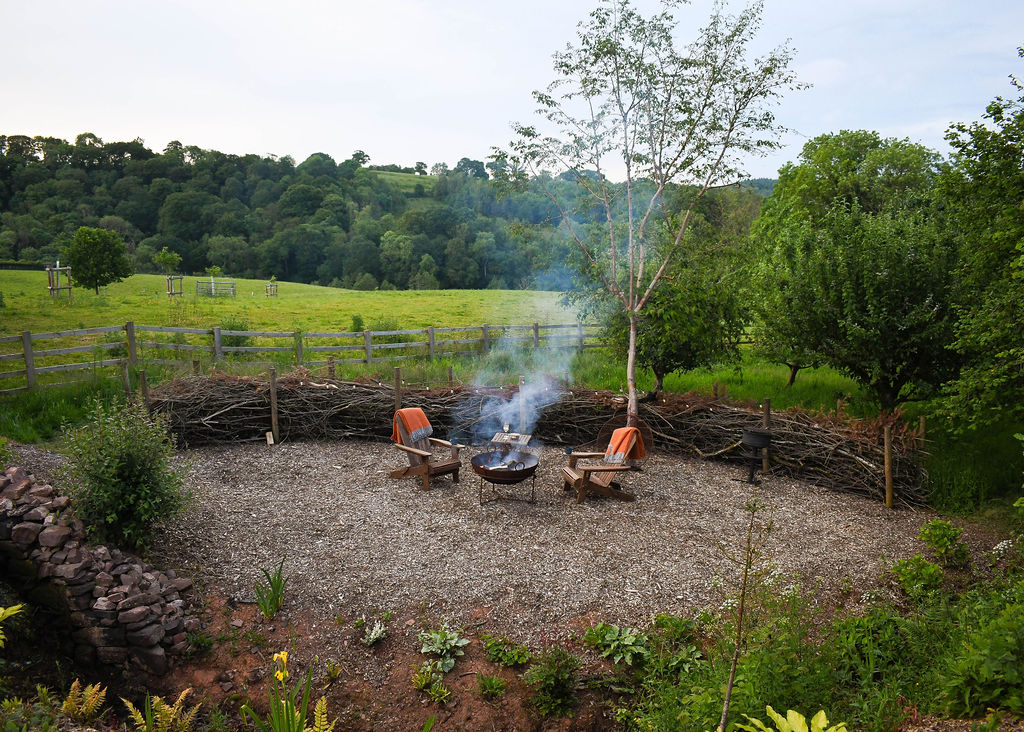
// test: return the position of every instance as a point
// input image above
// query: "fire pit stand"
(507, 464)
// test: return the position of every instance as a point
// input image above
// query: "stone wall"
(121, 612)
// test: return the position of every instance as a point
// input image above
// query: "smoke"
(541, 370)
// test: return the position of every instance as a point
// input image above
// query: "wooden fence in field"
(130, 345)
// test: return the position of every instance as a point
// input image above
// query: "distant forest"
(347, 224)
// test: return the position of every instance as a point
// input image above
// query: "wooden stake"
(195, 366)
(330, 366)
(273, 406)
(144, 388)
(398, 388)
(126, 379)
(129, 329)
(888, 466)
(766, 422)
(451, 377)
(30, 364)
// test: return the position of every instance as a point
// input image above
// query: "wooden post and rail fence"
(162, 345)
(367, 347)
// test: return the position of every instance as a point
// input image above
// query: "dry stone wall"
(121, 611)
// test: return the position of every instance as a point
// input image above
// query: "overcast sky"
(437, 80)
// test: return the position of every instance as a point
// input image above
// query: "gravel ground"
(355, 540)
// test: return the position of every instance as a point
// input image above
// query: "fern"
(159, 716)
(83, 705)
(320, 718)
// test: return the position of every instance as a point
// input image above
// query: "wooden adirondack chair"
(625, 444)
(411, 433)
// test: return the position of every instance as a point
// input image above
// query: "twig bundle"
(832, 450)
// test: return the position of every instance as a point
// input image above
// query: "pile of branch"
(831, 450)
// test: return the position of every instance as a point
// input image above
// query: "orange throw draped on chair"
(415, 423)
(620, 443)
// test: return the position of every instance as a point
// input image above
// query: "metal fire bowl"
(525, 466)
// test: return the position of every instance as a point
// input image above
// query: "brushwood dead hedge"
(827, 449)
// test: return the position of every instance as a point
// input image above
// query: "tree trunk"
(793, 368)
(632, 409)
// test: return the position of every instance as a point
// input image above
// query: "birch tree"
(631, 111)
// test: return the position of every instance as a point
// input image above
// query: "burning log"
(832, 450)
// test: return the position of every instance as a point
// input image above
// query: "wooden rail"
(183, 346)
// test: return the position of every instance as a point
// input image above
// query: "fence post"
(127, 380)
(888, 465)
(30, 364)
(273, 405)
(430, 342)
(297, 335)
(536, 335)
(368, 345)
(144, 388)
(217, 353)
(330, 366)
(486, 340)
(133, 356)
(579, 331)
(398, 388)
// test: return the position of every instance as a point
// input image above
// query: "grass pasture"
(143, 299)
(407, 182)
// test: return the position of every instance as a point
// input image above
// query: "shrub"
(988, 673)
(554, 674)
(358, 326)
(943, 538)
(917, 575)
(120, 475)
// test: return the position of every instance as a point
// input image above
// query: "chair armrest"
(413, 450)
(445, 443)
(574, 456)
(603, 469)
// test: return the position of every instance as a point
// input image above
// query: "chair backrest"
(412, 428)
(626, 443)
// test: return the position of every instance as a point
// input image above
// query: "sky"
(438, 80)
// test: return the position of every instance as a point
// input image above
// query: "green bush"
(554, 674)
(120, 475)
(917, 576)
(988, 672)
(943, 538)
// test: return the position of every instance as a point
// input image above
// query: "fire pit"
(505, 467)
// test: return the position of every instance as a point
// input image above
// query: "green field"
(142, 298)
(407, 182)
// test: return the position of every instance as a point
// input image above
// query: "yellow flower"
(282, 657)
(280, 675)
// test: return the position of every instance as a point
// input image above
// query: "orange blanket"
(414, 422)
(626, 444)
